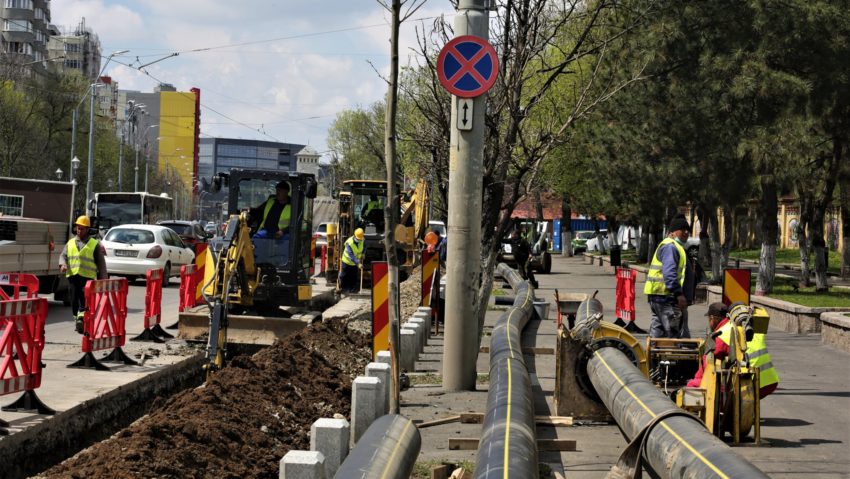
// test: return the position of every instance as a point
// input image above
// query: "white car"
(321, 235)
(133, 250)
(441, 227)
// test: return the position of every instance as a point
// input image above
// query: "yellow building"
(178, 132)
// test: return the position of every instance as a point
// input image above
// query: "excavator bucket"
(194, 325)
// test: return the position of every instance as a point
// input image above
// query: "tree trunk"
(643, 243)
(613, 229)
(566, 229)
(727, 236)
(717, 263)
(704, 240)
(844, 183)
(769, 234)
(391, 213)
(802, 240)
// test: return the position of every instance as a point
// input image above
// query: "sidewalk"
(805, 422)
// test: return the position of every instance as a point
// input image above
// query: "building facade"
(25, 32)
(78, 48)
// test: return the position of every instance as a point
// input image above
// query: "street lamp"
(59, 173)
(136, 146)
(131, 111)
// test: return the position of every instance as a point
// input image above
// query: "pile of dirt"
(243, 421)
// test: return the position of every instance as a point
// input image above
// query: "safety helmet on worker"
(358, 234)
(83, 220)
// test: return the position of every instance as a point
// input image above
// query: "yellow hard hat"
(358, 233)
(83, 220)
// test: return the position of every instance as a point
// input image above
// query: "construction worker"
(665, 283)
(273, 214)
(352, 262)
(373, 212)
(522, 255)
(719, 340)
(82, 259)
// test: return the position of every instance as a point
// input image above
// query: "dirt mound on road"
(243, 421)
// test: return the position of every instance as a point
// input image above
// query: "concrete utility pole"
(466, 166)
(121, 156)
(90, 169)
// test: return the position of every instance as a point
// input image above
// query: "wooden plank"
(441, 471)
(469, 444)
(463, 444)
(437, 422)
(557, 421)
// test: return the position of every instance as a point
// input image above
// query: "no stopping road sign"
(467, 66)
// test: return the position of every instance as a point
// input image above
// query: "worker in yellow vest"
(272, 217)
(352, 262)
(670, 283)
(82, 259)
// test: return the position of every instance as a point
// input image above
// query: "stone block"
(331, 437)
(420, 331)
(408, 348)
(384, 357)
(423, 330)
(426, 317)
(302, 465)
(364, 405)
(384, 373)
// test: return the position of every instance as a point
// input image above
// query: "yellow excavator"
(355, 212)
(257, 289)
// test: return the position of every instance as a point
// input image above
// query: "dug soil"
(243, 421)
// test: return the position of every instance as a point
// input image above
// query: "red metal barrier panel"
(153, 297)
(104, 322)
(13, 284)
(380, 308)
(187, 287)
(21, 343)
(625, 293)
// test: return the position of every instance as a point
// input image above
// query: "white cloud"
(290, 88)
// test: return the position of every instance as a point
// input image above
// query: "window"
(12, 205)
(24, 4)
(19, 47)
(17, 26)
(284, 152)
(77, 64)
(73, 48)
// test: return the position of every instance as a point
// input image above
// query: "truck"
(35, 219)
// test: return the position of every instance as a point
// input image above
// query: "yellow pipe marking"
(395, 451)
(507, 423)
(665, 426)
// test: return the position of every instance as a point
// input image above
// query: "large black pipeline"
(678, 446)
(388, 449)
(508, 446)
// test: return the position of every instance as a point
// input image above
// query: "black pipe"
(388, 449)
(677, 446)
(504, 300)
(508, 439)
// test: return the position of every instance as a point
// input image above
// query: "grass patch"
(790, 256)
(787, 289)
(416, 379)
(493, 307)
(482, 378)
(422, 469)
(498, 292)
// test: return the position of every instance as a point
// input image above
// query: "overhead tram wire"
(280, 39)
(148, 74)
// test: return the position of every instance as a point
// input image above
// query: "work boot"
(78, 325)
(634, 328)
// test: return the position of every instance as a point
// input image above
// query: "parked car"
(132, 250)
(210, 228)
(579, 242)
(321, 235)
(592, 243)
(441, 227)
(191, 232)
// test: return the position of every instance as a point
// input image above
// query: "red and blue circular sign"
(467, 66)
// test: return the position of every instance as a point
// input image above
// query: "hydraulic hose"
(508, 446)
(678, 446)
(387, 450)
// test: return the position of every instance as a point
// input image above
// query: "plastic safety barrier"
(13, 284)
(625, 294)
(104, 323)
(153, 332)
(188, 283)
(200, 267)
(21, 346)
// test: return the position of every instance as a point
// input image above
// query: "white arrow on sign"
(464, 113)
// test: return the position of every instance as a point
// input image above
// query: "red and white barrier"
(21, 346)
(625, 294)
(188, 284)
(13, 284)
(153, 332)
(104, 323)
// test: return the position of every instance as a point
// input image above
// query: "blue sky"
(294, 65)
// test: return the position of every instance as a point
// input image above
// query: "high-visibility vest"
(655, 277)
(283, 221)
(356, 248)
(757, 355)
(81, 262)
(372, 205)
